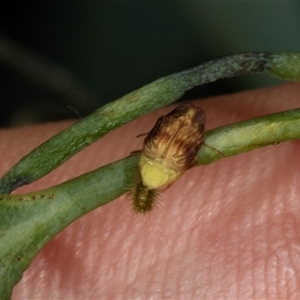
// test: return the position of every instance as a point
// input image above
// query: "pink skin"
(227, 230)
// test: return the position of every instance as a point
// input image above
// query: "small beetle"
(170, 148)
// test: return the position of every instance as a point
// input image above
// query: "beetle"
(169, 149)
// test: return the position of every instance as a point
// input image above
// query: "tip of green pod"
(284, 65)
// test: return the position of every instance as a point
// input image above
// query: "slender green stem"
(64, 145)
(251, 134)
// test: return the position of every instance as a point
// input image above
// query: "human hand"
(226, 230)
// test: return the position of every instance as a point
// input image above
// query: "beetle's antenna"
(76, 112)
(142, 134)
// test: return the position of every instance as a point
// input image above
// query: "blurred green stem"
(161, 92)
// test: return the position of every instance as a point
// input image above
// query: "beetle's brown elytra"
(170, 148)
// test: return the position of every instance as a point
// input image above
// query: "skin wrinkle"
(167, 251)
(187, 237)
(186, 243)
(232, 264)
(291, 275)
(283, 279)
(141, 259)
(259, 251)
(215, 275)
(246, 271)
(255, 291)
(129, 269)
(294, 270)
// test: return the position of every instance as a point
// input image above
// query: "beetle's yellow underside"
(156, 174)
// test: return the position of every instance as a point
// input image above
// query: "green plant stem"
(249, 135)
(64, 145)
(29, 221)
